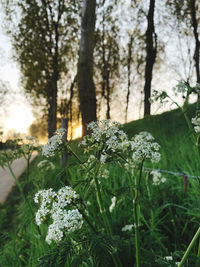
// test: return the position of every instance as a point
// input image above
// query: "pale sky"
(18, 115)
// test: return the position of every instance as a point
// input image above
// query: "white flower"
(103, 158)
(196, 122)
(61, 131)
(168, 258)
(144, 147)
(113, 200)
(54, 233)
(181, 87)
(54, 206)
(157, 177)
(53, 143)
(66, 195)
(128, 227)
(105, 134)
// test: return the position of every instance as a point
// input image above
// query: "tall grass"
(168, 215)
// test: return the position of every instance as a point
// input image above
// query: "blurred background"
(138, 46)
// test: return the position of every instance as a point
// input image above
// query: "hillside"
(172, 133)
(167, 212)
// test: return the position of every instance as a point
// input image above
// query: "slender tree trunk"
(129, 75)
(52, 116)
(87, 94)
(52, 112)
(197, 42)
(108, 95)
(151, 50)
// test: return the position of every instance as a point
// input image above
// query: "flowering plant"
(58, 207)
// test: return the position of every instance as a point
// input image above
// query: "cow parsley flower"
(58, 208)
(196, 122)
(128, 227)
(144, 147)
(53, 143)
(181, 87)
(106, 137)
(157, 177)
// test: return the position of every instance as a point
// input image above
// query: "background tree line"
(82, 60)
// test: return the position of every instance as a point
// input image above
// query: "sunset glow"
(77, 132)
(19, 120)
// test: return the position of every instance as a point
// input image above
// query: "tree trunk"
(197, 42)
(129, 76)
(52, 116)
(52, 113)
(151, 50)
(87, 94)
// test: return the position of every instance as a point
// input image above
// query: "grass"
(169, 216)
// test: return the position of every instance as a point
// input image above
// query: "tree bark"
(151, 50)
(197, 42)
(87, 94)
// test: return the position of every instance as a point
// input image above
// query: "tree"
(107, 55)
(43, 41)
(193, 6)
(151, 51)
(87, 95)
(186, 14)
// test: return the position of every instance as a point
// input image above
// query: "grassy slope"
(169, 130)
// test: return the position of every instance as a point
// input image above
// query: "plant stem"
(79, 160)
(115, 256)
(87, 220)
(20, 188)
(136, 207)
(15, 179)
(189, 248)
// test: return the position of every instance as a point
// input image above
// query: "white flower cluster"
(157, 177)
(181, 87)
(170, 258)
(29, 144)
(53, 206)
(53, 143)
(113, 200)
(106, 135)
(196, 122)
(144, 147)
(128, 227)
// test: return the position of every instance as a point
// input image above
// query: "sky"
(18, 115)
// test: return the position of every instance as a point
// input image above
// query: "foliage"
(106, 177)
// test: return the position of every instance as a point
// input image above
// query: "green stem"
(136, 207)
(198, 254)
(115, 256)
(87, 220)
(20, 189)
(15, 179)
(150, 201)
(74, 154)
(189, 248)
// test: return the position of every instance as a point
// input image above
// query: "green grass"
(169, 216)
